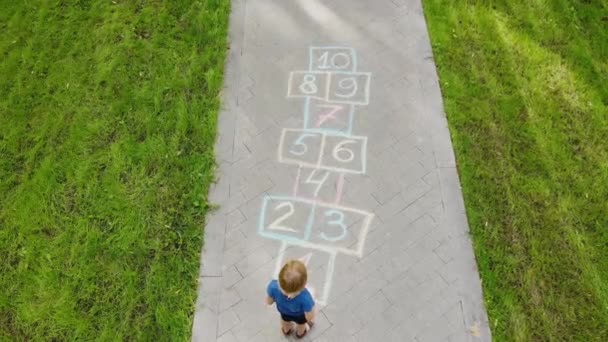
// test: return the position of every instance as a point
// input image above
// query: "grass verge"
(108, 114)
(526, 93)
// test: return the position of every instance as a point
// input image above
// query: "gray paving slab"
(332, 123)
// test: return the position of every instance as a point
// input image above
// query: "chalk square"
(285, 218)
(308, 84)
(300, 147)
(349, 87)
(323, 116)
(319, 266)
(332, 58)
(345, 153)
(318, 184)
(341, 229)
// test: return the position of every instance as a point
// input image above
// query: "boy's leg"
(286, 327)
(301, 329)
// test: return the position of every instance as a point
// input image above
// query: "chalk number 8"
(308, 85)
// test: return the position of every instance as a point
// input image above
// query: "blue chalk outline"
(282, 237)
(353, 53)
(311, 221)
(306, 112)
(364, 156)
(351, 121)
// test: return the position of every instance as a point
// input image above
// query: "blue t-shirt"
(296, 306)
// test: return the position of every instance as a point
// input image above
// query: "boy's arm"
(270, 294)
(310, 316)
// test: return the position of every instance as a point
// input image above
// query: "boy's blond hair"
(293, 276)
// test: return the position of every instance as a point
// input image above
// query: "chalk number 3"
(338, 220)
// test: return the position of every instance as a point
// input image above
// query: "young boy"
(294, 302)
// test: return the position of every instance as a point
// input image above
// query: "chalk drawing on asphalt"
(332, 152)
(312, 223)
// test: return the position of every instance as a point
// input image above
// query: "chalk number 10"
(337, 61)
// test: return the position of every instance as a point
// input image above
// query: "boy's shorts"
(296, 319)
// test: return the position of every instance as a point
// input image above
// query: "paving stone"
(253, 316)
(245, 247)
(226, 320)
(454, 316)
(321, 325)
(255, 186)
(373, 306)
(233, 238)
(403, 200)
(335, 334)
(398, 262)
(204, 326)
(437, 330)
(228, 298)
(230, 276)
(255, 283)
(460, 336)
(227, 337)
(235, 218)
(406, 330)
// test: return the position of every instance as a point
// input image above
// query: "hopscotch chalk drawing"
(314, 227)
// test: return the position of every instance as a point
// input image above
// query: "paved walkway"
(334, 148)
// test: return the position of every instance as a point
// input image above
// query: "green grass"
(525, 85)
(108, 114)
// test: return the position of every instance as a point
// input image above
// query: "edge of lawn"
(526, 96)
(108, 123)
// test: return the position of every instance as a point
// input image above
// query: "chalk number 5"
(300, 147)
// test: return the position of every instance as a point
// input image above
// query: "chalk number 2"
(276, 224)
